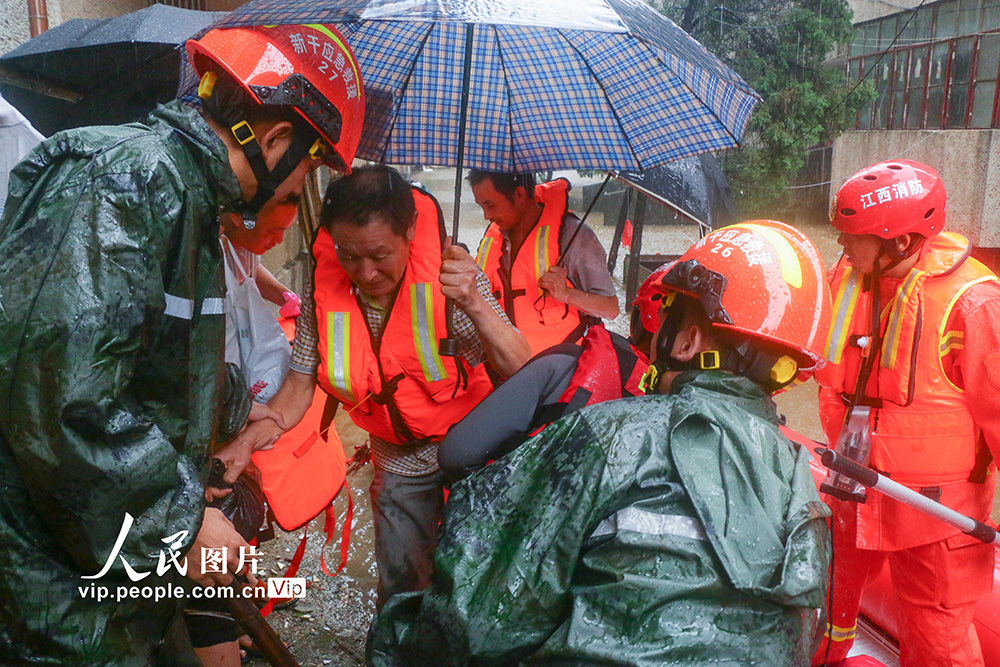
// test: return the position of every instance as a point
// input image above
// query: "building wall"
(865, 10)
(13, 24)
(91, 9)
(968, 161)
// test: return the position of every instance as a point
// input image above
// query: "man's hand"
(260, 411)
(255, 436)
(216, 532)
(458, 277)
(554, 282)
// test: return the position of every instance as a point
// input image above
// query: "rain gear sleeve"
(681, 529)
(112, 380)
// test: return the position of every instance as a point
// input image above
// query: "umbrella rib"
(614, 111)
(722, 124)
(510, 99)
(402, 92)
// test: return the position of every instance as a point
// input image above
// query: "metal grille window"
(941, 70)
(202, 5)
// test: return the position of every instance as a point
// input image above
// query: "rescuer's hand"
(236, 455)
(216, 532)
(458, 277)
(260, 411)
(554, 282)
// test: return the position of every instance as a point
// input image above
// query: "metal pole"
(871, 479)
(38, 17)
(466, 75)
(593, 201)
(448, 347)
(705, 227)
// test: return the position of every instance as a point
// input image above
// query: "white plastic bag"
(254, 339)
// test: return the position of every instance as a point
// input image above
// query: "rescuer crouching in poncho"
(676, 528)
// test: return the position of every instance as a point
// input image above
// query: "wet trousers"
(407, 515)
(935, 589)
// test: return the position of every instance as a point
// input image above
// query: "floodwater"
(329, 626)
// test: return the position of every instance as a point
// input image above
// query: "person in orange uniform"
(548, 302)
(928, 376)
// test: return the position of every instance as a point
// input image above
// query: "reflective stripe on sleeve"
(182, 308)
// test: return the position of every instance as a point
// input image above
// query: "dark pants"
(407, 515)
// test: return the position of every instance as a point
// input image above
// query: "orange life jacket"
(609, 368)
(416, 395)
(922, 431)
(552, 322)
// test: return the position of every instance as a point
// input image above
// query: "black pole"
(635, 251)
(448, 347)
(584, 219)
(466, 76)
(623, 211)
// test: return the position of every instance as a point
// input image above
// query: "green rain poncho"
(111, 376)
(663, 530)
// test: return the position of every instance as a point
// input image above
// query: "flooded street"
(329, 626)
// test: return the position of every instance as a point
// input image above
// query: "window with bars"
(934, 68)
(203, 5)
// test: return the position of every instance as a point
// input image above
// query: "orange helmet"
(765, 281)
(648, 297)
(306, 67)
(890, 199)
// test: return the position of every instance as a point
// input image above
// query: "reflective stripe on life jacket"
(922, 429)
(552, 322)
(609, 368)
(424, 394)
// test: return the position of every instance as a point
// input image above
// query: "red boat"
(879, 626)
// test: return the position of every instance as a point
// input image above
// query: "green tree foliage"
(779, 47)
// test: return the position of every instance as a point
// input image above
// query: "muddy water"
(330, 625)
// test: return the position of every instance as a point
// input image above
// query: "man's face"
(862, 250)
(373, 256)
(496, 207)
(276, 215)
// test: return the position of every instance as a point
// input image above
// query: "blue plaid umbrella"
(553, 84)
(526, 85)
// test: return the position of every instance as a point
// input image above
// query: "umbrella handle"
(448, 347)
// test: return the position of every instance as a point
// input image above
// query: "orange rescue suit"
(552, 322)
(923, 434)
(417, 395)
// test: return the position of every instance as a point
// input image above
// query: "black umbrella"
(694, 186)
(106, 71)
(693, 189)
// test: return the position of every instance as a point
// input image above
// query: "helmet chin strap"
(888, 249)
(768, 369)
(268, 180)
(302, 143)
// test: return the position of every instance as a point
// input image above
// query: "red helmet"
(649, 297)
(763, 279)
(307, 67)
(890, 199)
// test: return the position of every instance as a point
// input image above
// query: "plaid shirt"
(407, 460)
